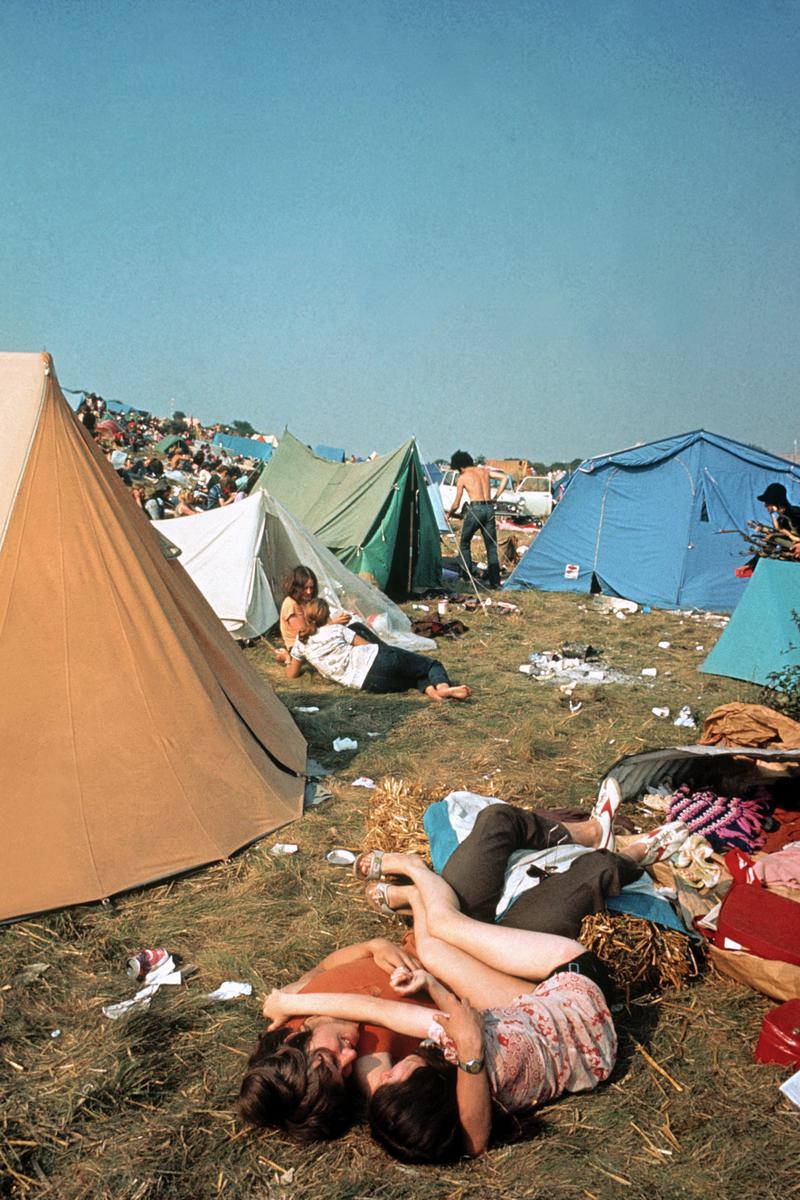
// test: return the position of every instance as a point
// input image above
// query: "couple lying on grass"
(447, 1037)
(347, 651)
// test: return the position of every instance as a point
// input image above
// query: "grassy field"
(141, 1109)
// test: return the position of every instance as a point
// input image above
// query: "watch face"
(473, 1066)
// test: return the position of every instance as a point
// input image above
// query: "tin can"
(146, 960)
(441, 608)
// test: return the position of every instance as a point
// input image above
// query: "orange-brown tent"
(136, 741)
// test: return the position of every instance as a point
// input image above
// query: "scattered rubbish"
(615, 604)
(421, 607)
(307, 708)
(363, 781)
(315, 793)
(441, 608)
(646, 608)
(699, 647)
(650, 671)
(55, 1033)
(373, 735)
(579, 650)
(31, 973)
(575, 706)
(340, 858)
(685, 718)
(791, 1088)
(611, 741)
(165, 974)
(229, 990)
(283, 848)
(660, 712)
(663, 645)
(142, 963)
(315, 770)
(621, 615)
(552, 665)
(344, 743)
(504, 606)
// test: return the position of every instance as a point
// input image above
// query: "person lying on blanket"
(298, 1078)
(561, 898)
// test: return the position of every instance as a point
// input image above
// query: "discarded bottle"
(441, 608)
(146, 960)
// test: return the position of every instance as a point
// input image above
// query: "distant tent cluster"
(656, 524)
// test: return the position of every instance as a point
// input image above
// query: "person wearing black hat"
(785, 517)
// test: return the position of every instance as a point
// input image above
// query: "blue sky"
(544, 229)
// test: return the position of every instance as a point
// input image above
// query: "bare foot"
(458, 691)
(433, 693)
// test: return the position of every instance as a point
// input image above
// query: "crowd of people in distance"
(194, 476)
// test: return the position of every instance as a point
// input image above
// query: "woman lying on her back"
(530, 1021)
(341, 654)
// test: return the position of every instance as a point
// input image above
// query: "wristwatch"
(473, 1066)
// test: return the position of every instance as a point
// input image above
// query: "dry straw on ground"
(142, 1109)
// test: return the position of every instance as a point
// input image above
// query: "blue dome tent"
(653, 523)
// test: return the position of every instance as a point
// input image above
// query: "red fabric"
(788, 829)
(761, 922)
(367, 979)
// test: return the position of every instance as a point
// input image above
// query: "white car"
(533, 497)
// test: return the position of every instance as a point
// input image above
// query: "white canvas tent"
(239, 556)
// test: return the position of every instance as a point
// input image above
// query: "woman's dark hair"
(315, 614)
(297, 579)
(280, 1089)
(461, 460)
(417, 1120)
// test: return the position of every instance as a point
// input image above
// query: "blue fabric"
(247, 447)
(331, 452)
(442, 838)
(761, 637)
(647, 523)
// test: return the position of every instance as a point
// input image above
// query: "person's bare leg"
(470, 979)
(516, 952)
(432, 693)
(584, 833)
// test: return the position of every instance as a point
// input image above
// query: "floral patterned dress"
(558, 1038)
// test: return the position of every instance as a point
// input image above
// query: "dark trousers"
(479, 515)
(396, 670)
(559, 902)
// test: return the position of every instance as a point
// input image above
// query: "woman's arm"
(411, 1019)
(293, 666)
(464, 1026)
(385, 954)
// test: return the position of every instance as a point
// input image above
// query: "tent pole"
(414, 485)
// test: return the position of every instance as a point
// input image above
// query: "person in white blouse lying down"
(340, 654)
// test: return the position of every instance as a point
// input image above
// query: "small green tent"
(762, 636)
(375, 516)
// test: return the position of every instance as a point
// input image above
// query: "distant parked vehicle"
(533, 497)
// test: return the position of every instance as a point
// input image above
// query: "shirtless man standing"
(478, 512)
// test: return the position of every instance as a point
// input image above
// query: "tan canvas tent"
(137, 741)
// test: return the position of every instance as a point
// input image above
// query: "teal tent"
(762, 636)
(375, 516)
